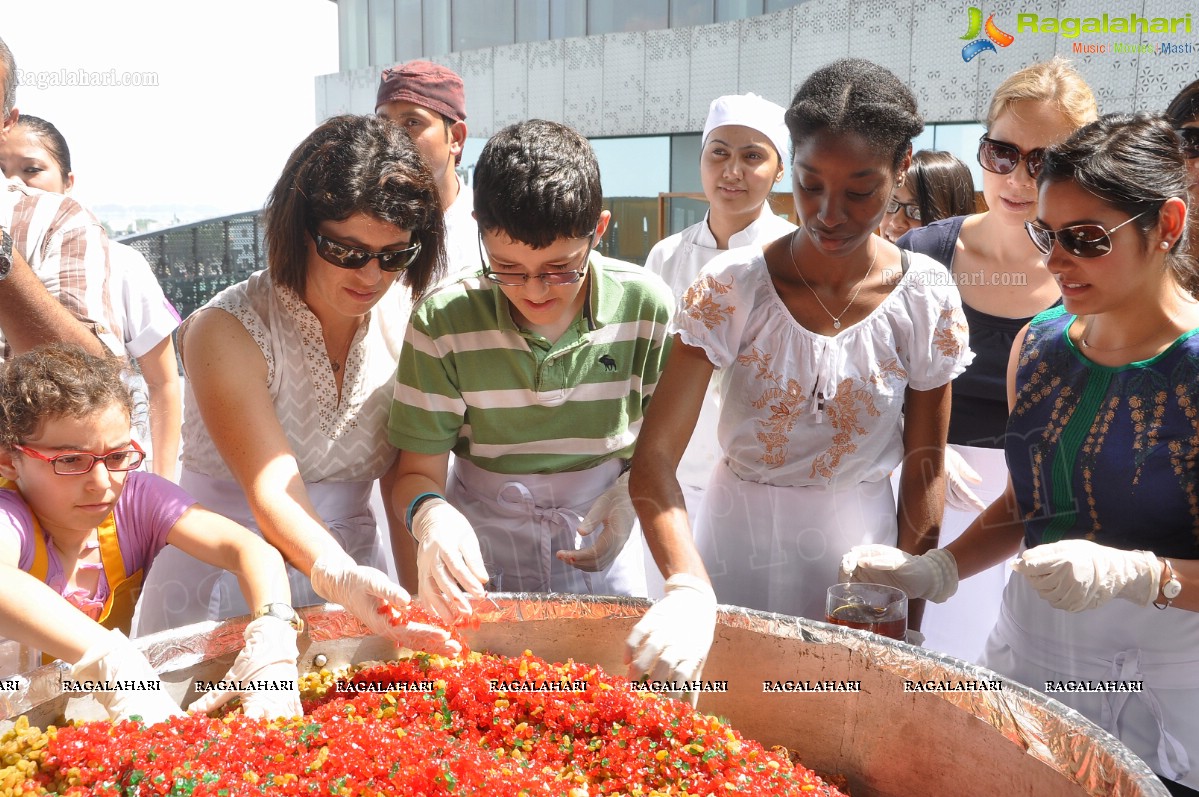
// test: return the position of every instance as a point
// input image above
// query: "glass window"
(532, 20)
(962, 141)
(353, 44)
(690, 12)
(435, 24)
(408, 40)
(728, 10)
(620, 16)
(779, 5)
(684, 164)
(567, 18)
(382, 31)
(482, 23)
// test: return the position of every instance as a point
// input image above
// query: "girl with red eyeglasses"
(1003, 283)
(1102, 448)
(79, 528)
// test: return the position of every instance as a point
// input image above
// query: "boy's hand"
(614, 512)
(269, 655)
(449, 563)
(113, 659)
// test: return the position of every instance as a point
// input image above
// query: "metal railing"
(194, 262)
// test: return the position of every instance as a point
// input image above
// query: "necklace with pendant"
(836, 318)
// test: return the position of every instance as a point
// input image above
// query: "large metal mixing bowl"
(887, 741)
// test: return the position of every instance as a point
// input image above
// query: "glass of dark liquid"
(870, 607)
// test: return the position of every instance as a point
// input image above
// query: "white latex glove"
(449, 564)
(671, 641)
(269, 655)
(363, 591)
(115, 658)
(914, 637)
(933, 575)
(614, 513)
(957, 492)
(1078, 574)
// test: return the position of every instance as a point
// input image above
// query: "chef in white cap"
(745, 145)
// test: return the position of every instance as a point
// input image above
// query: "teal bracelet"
(416, 502)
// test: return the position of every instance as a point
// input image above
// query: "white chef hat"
(750, 110)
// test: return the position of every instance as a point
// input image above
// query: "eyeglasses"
(910, 209)
(1190, 141)
(549, 278)
(1080, 240)
(74, 463)
(346, 256)
(1001, 157)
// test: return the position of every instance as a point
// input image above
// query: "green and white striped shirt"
(471, 381)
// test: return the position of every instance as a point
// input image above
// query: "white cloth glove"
(115, 658)
(614, 513)
(363, 591)
(933, 575)
(269, 655)
(448, 560)
(672, 640)
(1076, 575)
(958, 476)
(914, 637)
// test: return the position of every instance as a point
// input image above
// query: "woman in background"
(1003, 283)
(936, 186)
(1183, 113)
(36, 153)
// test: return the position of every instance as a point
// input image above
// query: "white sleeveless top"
(332, 441)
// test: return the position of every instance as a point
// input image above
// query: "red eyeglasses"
(74, 463)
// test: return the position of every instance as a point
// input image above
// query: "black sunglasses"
(1001, 157)
(1080, 240)
(1190, 141)
(346, 256)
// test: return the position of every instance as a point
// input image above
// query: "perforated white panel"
(364, 87)
(945, 85)
(1111, 76)
(1167, 74)
(994, 67)
(333, 96)
(624, 84)
(585, 77)
(820, 34)
(511, 85)
(668, 81)
(546, 70)
(714, 66)
(766, 43)
(883, 28)
(477, 68)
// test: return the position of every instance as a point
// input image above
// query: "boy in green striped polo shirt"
(536, 376)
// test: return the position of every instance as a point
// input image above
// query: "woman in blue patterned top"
(1103, 450)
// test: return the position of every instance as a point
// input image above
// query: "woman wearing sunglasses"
(289, 375)
(1102, 449)
(936, 186)
(1003, 283)
(1183, 113)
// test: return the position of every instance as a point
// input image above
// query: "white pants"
(181, 590)
(1034, 643)
(779, 549)
(523, 520)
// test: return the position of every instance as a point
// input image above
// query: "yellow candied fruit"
(578, 791)
(661, 755)
(807, 787)
(501, 704)
(250, 777)
(772, 764)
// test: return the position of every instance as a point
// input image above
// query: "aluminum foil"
(884, 742)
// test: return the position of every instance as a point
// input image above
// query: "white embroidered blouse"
(799, 408)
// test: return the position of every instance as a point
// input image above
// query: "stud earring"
(1164, 244)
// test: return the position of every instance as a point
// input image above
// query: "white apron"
(181, 590)
(960, 625)
(779, 549)
(1033, 643)
(522, 520)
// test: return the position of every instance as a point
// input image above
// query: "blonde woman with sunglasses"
(289, 377)
(1101, 443)
(1003, 283)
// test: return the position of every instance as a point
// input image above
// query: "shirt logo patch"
(608, 363)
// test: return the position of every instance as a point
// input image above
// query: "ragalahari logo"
(994, 34)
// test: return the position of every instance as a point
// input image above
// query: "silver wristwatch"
(284, 612)
(1171, 587)
(5, 253)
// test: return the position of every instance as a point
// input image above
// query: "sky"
(233, 92)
